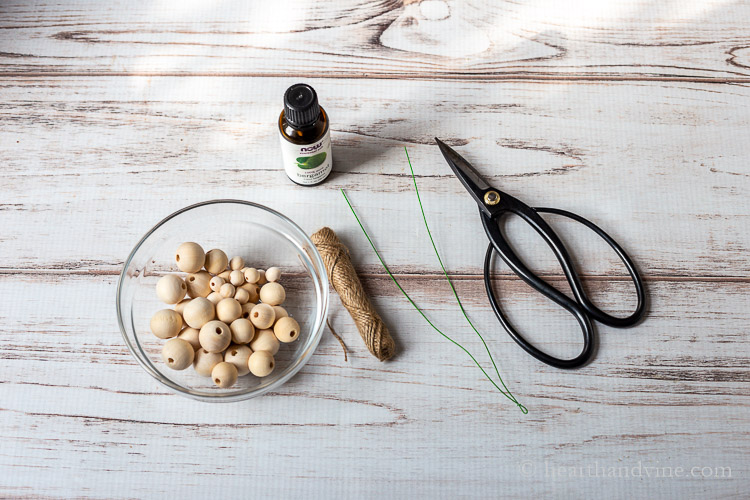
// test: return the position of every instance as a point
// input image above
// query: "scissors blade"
(472, 181)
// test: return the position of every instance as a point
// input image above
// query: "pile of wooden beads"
(232, 322)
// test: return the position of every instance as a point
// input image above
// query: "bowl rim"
(249, 393)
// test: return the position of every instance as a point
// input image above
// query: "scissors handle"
(581, 308)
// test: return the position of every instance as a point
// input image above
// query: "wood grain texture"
(429, 39)
(632, 114)
(429, 419)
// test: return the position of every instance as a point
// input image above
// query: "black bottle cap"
(301, 107)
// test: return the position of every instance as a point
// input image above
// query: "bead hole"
(292, 333)
(192, 278)
(218, 330)
(178, 257)
(218, 381)
(170, 360)
(234, 353)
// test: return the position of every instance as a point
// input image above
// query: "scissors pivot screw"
(492, 197)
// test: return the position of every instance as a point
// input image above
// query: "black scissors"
(493, 204)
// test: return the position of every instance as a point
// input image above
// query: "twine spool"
(345, 281)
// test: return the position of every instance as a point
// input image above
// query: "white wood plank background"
(633, 114)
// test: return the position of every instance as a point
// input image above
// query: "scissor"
(493, 205)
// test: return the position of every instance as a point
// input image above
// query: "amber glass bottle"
(305, 136)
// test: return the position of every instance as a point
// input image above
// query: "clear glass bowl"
(263, 238)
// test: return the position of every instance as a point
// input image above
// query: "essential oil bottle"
(305, 136)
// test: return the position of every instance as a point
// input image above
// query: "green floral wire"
(387, 270)
(509, 394)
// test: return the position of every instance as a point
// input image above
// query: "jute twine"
(345, 281)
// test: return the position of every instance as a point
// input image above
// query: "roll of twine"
(345, 281)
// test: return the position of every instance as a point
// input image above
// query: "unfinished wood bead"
(236, 263)
(180, 306)
(198, 312)
(225, 275)
(261, 278)
(280, 312)
(216, 283)
(251, 275)
(190, 257)
(286, 330)
(272, 294)
(166, 323)
(205, 361)
(224, 374)
(261, 363)
(177, 354)
(246, 308)
(273, 274)
(262, 316)
(253, 290)
(215, 297)
(265, 340)
(242, 296)
(215, 336)
(239, 355)
(198, 284)
(227, 290)
(243, 331)
(171, 289)
(228, 310)
(190, 335)
(237, 278)
(216, 261)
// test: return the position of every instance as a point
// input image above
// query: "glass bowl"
(261, 236)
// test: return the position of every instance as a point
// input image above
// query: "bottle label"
(309, 163)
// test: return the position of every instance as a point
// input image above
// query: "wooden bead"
(246, 308)
(198, 312)
(215, 297)
(178, 354)
(198, 284)
(273, 274)
(265, 340)
(216, 283)
(253, 290)
(225, 275)
(190, 335)
(180, 306)
(215, 336)
(190, 257)
(272, 294)
(261, 363)
(286, 330)
(243, 331)
(236, 263)
(237, 278)
(262, 316)
(251, 275)
(261, 278)
(166, 323)
(239, 355)
(242, 296)
(224, 374)
(216, 261)
(227, 290)
(171, 289)
(228, 310)
(205, 361)
(280, 312)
